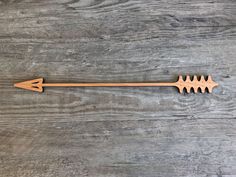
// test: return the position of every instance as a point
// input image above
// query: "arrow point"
(33, 85)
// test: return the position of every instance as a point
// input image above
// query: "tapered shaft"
(106, 84)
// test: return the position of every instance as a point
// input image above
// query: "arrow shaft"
(107, 84)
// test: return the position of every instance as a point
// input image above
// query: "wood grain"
(123, 132)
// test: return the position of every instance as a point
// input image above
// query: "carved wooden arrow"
(195, 83)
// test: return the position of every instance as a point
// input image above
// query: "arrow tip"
(33, 85)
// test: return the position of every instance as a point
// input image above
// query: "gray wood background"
(117, 132)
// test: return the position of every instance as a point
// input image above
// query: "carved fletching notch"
(189, 84)
(195, 84)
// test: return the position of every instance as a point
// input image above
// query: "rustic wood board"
(117, 132)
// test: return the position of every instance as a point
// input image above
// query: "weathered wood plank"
(126, 132)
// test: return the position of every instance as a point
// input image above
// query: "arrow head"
(33, 85)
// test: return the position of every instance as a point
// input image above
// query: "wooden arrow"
(195, 83)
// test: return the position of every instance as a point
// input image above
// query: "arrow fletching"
(196, 84)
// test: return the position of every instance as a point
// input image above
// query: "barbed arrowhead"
(33, 85)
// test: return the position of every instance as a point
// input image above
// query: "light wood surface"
(117, 132)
